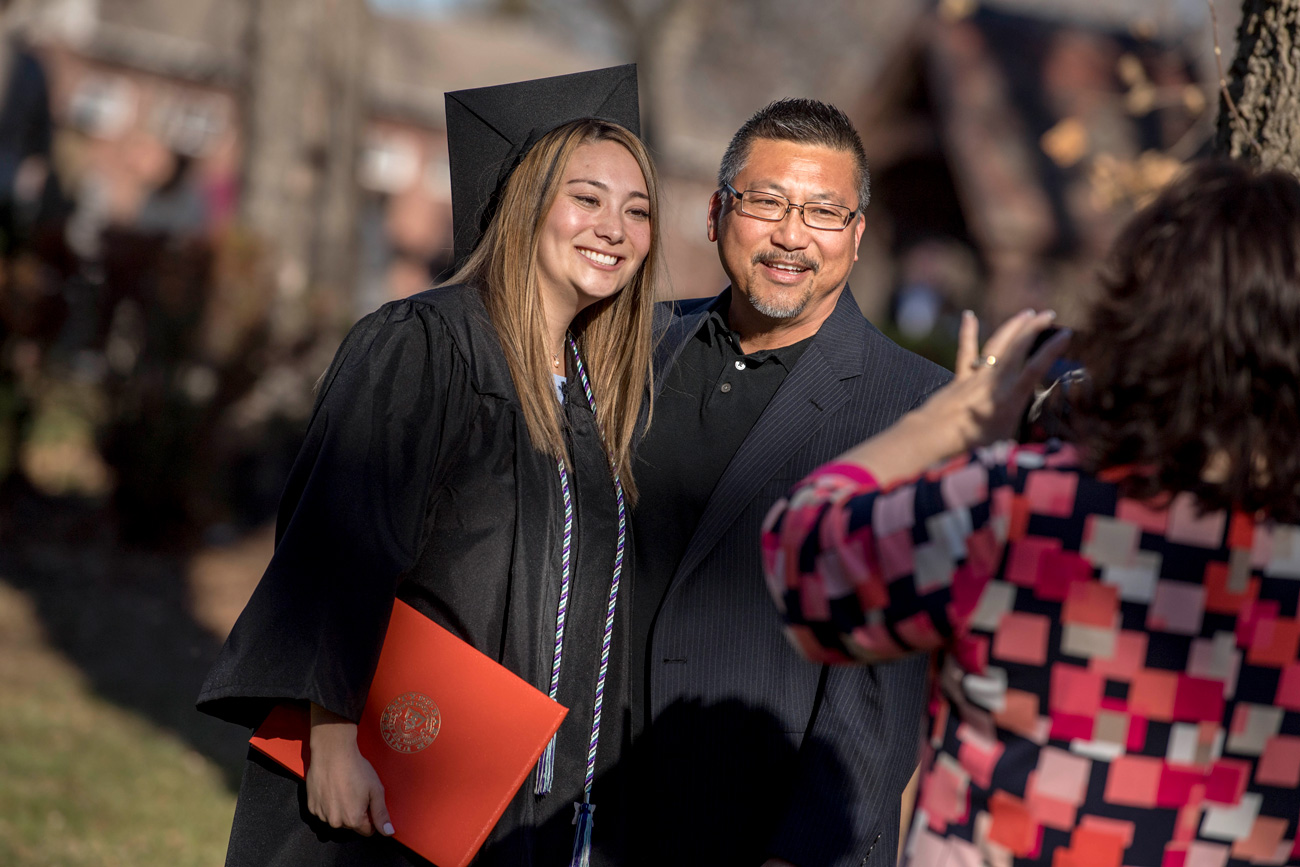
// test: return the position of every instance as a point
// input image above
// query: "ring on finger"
(986, 361)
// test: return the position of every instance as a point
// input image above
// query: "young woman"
(1117, 616)
(440, 468)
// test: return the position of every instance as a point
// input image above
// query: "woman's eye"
(588, 200)
(640, 213)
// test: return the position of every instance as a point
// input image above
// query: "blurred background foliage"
(198, 197)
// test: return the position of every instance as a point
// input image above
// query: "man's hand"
(343, 790)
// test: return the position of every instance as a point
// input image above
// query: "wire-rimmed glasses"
(762, 205)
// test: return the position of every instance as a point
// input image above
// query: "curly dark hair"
(1193, 349)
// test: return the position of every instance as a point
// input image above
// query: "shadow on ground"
(122, 616)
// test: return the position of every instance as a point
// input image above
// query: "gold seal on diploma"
(410, 722)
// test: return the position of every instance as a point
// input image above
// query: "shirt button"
(740, 365)
(725, 387)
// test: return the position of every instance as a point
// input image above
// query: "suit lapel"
(803, 403)
(675, 331)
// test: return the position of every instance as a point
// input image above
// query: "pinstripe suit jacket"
(753, 752)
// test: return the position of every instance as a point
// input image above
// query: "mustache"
(797, 259)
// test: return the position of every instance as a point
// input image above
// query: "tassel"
(545, 769)
(582, 836)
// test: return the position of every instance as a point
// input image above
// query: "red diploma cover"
(451, 733)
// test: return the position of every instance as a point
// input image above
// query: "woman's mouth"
(605, 260)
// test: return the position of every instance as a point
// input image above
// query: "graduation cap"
(489, 129)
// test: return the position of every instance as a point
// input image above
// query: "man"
(748, 754)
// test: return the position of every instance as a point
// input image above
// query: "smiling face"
(597, 232)
(785, 276)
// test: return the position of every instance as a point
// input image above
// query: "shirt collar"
(716, 332)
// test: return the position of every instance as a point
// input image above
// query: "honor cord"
(546, 767)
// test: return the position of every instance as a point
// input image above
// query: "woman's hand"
(981, 405)
(991, 388)
(343, 790)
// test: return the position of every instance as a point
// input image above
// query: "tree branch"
(1223, 82)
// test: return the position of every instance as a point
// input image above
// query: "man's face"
(788, 273)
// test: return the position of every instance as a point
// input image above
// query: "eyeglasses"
(773, 208)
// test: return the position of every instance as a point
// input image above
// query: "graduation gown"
(417, 479)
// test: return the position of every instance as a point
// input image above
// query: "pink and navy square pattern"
(1117, 682)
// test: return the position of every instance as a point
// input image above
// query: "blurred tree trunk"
(346, 38)
(1264, 86)
(277, 174)
(13, 15)
(303, 104)
(661, 35)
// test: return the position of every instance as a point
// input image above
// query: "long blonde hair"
(613, 334)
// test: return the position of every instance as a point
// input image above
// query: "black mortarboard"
(489, 129)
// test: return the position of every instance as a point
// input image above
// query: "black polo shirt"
(709, 400)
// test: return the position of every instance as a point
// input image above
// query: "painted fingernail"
(388, 829)
(1051, 314)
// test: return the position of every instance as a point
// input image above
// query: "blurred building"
(1007, 137)
(1008, 141)
(141, 88)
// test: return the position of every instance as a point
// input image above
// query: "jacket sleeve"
(865, 575)
(351, 521)
(854, 762)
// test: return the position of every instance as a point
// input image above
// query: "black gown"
(417, 478)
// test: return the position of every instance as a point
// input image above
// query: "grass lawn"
(84, 782)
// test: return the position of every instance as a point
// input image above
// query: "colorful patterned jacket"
(1118, 683)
